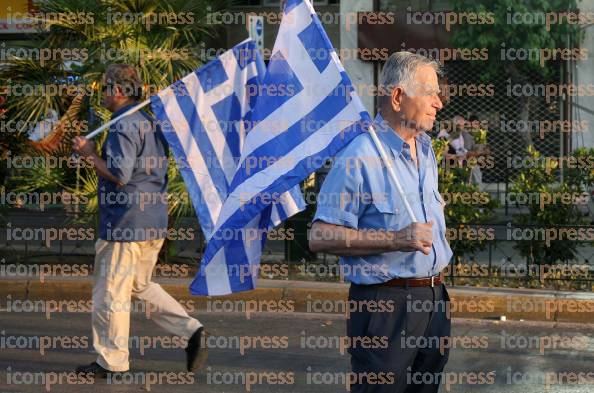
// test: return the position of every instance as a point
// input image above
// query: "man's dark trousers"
(412, 360)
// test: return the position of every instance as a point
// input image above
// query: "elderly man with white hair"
(397, 299)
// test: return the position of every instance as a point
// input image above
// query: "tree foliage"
(163, 39)
(527, 42)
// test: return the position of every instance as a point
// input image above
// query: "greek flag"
(306, 112)
(205, 118)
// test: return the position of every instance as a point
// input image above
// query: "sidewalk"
(320, 297)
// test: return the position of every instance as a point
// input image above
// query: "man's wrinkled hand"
(418, 236)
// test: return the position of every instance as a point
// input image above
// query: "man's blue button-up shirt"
(136, 153)
(357, 193)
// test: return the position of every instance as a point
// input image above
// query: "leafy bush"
(538, 179)
(458, 214)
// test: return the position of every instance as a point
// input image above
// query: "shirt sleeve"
(121, 150)
(339, 200)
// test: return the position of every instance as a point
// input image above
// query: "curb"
(329, 298)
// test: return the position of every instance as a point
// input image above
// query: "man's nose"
(438, 104)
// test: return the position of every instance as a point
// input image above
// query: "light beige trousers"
(123, 270)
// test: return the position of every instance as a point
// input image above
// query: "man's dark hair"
(126, 77)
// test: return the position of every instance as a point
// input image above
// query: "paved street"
(296, 360)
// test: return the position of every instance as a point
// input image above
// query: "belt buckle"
(432, 281)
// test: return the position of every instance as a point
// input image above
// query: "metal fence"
(499, 258)
(501, 111)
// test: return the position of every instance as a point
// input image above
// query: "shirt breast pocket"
(438, 211)
(388, 215)
(438, 199)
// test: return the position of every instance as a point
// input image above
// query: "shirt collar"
(121, 110)
(394, 142)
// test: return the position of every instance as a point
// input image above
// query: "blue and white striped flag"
(307, 112)
(204, 117)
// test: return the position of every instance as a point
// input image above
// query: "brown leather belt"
(416, 282)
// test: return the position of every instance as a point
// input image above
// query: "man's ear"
(396, 98)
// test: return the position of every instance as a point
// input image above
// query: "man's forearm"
(343, 241)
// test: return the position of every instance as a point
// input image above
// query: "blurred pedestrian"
(132, 228)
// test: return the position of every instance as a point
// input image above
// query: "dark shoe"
(95, 369)
(196, 354)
